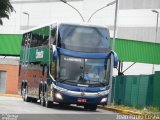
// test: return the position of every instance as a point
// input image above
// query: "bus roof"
(68, 23)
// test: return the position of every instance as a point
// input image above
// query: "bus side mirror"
(54, 51)
(115, 56)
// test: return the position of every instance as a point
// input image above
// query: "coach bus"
(66, 63)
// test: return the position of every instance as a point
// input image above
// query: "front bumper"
(81, 99)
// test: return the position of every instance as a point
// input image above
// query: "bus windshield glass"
(83, 38)
(92, 72)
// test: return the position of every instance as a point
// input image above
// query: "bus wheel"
(42, 101)
(25, 95)
(48, 103)
(90, 107)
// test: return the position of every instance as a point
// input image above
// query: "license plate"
(81, 100)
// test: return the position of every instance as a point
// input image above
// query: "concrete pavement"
(17, 106)
(14, 108)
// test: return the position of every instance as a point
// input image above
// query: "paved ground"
(26, 110)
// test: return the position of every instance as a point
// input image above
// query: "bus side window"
(53, 68)
(24, 41)
(53, 36)
(53, 42)
(52, 62)
(34, 40)
(40, 37)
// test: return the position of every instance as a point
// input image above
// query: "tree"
(5, 9)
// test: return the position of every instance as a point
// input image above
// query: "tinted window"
(39, 40)
(83, 38)
(85, 71)
(53, 35)
(40, 37)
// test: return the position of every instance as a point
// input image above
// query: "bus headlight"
(58, 96)
(104, 100)
(103, 92)
(59, 88)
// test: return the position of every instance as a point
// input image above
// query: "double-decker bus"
(66, 63)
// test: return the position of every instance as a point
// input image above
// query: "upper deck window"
(83, 38)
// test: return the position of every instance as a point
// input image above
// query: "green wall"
(136, 90)
(10, 44)
(127, 50)
(137, 51)
(156, 89)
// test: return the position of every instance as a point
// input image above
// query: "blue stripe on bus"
(82, 54)
(77, 88)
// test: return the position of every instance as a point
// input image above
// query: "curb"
(10, 95)
(126, 112)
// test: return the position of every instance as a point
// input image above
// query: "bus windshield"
(83, 38)
(92, 72)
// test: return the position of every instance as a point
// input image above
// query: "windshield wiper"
(64, 80)
(102, 83)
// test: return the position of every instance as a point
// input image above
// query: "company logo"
(39, 54)
(82, 93)
(72, 59)
(83, 89)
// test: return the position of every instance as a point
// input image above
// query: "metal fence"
(137, 90)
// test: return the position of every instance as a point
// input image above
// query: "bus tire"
(40, 88)
(22, 84)
(24, 91)
(48, 103)
(42, 100)
(26, 98)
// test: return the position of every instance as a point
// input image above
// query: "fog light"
(104, 100)
(58, 96)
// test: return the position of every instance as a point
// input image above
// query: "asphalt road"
(12, 107)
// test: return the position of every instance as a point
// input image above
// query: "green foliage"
(144, 110)
(5, 9)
